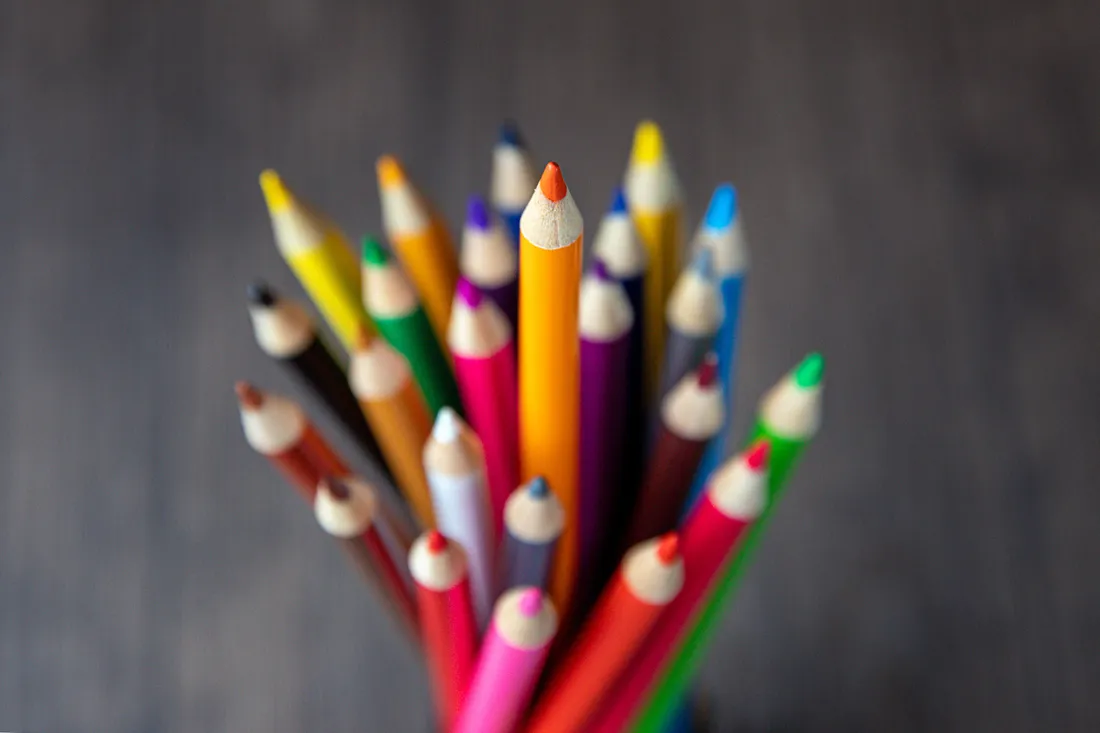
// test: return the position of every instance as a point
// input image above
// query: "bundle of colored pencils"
(553, 520)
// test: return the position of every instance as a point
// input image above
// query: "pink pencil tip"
(469, 293)
(530, 602)
(437, 543)
(708, 370)
(757, 456)
(668, 548)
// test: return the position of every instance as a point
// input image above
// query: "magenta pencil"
(489, 260)
(480, 341)
(511, 660)
(605, 322)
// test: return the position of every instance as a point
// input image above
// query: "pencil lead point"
(248, 396)
(510, 134)
(530, 602)
(552, 184)
(470, 294)
(364, 337)
(701, 262)
(372, 251)
(448, 426)
(599, 270)
(390, 172)
(260, 293)
(477, 214)
(538, 488)
(437, 543)
(649, 144)
(722, 209)
(668, 548)
(810, 371)
(335, 487)
(708, 370)
(275, 191)
(756, 457)
(618, 202)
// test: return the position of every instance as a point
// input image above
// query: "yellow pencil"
(421, 242)
(653, 194)
(550, 252)
(320, 257)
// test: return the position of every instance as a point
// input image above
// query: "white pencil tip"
(448, 426)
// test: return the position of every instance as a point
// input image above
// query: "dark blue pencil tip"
(477, 213)
(509, 134)
(723, 207)
(538, 488)
(618, 202)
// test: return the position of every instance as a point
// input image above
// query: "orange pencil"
(391, 402)
(649, 578)
(550, 252)
(420, 240)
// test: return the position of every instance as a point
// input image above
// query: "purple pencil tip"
(471, 294)
(599, 270)
(477, 213)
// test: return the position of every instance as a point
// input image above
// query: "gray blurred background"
(920, 187)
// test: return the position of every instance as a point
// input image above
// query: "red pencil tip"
(437, 543)
(668, 548)
(552, 184)
(530, 603)
(336, 488)
(757, 455)
(708, 370)
(248, 396)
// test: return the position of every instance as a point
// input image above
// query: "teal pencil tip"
(722, 209)
(810, 371)
(373, 254)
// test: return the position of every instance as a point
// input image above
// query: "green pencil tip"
(373, 254)
(810, 371)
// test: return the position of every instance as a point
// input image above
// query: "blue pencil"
(513, 179)
(721, 232)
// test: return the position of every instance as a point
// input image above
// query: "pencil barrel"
(669, 472)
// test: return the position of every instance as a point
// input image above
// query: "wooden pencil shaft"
(525, 563)
(364, 560)
(669, 472)
(683, 352)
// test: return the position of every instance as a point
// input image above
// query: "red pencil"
(447, 622)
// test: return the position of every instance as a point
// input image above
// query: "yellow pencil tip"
(275, 192)
(390, 172)
(649, 144)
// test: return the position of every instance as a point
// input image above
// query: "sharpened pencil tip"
(448, 426)
(477, 214)
(756, 457)
(510, 134)
(722, 209)
(599, 270)
(708, 370)
(552, 184)
(649, 144)
(248, 396)
(470, 294)
(335, 488)
(530, 602)
(618, 202)
(437, 543)
(372, 251)
(538, 488)
(260, 293)
(668, 548)
(701, 262)
(275, 191)
(810, 371)
(390, 172)
(364, 337)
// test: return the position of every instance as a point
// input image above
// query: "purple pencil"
(605, 322)
(489, 260)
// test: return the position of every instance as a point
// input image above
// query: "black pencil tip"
(260, 293)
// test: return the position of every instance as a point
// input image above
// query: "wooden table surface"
(921, 187)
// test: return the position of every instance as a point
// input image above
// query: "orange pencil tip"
(552, 184)
(248, 396)
(668, 548)
(364, 337)
(390, 172)
(437, 543)
(756, 457)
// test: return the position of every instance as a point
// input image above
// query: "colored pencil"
(382, 383)
(489, 260)
(480, 342)
(348, 510)
(721, 232)
(788, 418)
(650, 578)
(653, 192)
(455, 467)
(551, 244)
(533, 522)
(277, 428)
(392, 304)
(510, 662)
(691, 414)
(605, 324)
(286, 333)
(320, 257)
(734, 498)
(513, 177)
(447, 623)
(693, 315)
(420, 240)
(619, 247)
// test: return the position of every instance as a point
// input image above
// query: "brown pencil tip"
(668, 548)
(437, 543)
(708, 370)
(552, 184)
(335, 488)
(248, 396)
(364, 337)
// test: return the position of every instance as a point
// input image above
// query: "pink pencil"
(735, 496)
(511, 660)
(480, 341)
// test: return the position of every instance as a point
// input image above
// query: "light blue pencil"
(721, 232)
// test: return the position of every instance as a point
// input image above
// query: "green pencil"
(788, 417)
(392, 304)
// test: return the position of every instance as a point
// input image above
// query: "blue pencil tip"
(701, 262)
(538, 487)
(723, 207)
(477, 213)
(509, 134)
(618, 202)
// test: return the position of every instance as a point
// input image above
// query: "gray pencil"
(533, 521)
(693, 314)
